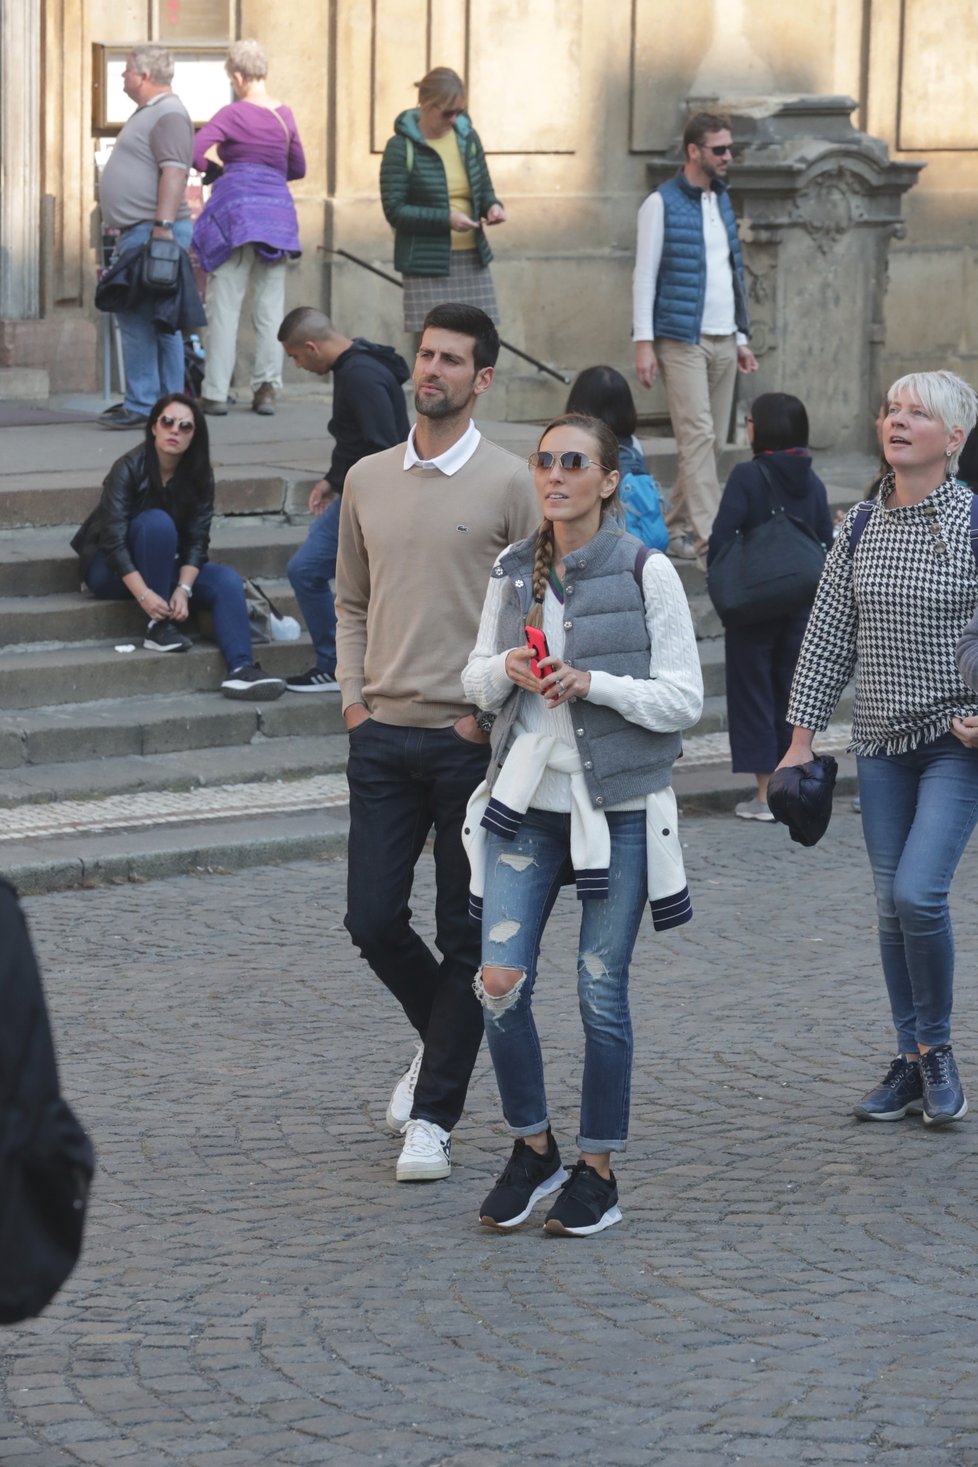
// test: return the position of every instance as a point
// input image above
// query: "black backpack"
(46, 1159)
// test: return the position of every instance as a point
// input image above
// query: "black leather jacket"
(127, 490)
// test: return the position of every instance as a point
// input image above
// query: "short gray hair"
(156, 61)
(248, 58)
(945, 396)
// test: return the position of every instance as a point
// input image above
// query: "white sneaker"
(753, 810)
(402, 1096)
(427, 1153)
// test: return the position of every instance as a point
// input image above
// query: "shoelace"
(937, 1061)
(896, 1073)
(421, 1140)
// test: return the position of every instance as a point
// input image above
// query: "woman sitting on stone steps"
(148, 537)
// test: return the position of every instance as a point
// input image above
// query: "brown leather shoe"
(263, 401)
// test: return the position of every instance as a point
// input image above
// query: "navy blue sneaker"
(527, 1178)
(587, 1204)
(900, 1090)
(944, 1099)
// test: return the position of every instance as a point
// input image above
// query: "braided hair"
(606, 446)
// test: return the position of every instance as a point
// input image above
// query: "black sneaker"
(313, 681)
(527, 1178)
(251, 683)
(944, 1099)
(119, 416)
(901, 1089)
(162, 636)
(587, 1204)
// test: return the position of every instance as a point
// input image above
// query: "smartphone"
(537, 644)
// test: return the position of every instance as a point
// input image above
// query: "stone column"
(818, 204)
(20, 53)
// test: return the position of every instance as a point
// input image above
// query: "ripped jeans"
(523, 877)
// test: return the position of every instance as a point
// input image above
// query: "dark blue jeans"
(152, 541)
(919, 810)
(311, 570)
(403, 782)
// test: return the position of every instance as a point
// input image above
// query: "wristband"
(182, 586)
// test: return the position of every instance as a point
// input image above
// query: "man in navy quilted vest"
(690, 320)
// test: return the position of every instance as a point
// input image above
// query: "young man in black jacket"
(369, 414)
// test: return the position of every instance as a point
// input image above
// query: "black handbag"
(161, 266)
(769, 571)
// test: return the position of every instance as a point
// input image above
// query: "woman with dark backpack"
(761, 657)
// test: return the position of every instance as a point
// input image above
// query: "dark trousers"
(760, 665)
(403, 782)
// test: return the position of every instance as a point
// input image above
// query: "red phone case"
(537, 643)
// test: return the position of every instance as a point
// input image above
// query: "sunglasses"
(718, 150)
(185, 425)
(570, 460)
(450, 113)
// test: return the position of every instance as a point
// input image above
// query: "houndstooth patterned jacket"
(892, 613)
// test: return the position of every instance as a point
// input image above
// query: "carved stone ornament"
(829, 206)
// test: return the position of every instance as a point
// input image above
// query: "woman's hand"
(154, 606)
(517, 667)
(965, 730)
(563, 682)
(495, 215)
(461, 223)
(800, 749)
(179, 607)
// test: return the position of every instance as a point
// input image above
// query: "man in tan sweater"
(420, 528)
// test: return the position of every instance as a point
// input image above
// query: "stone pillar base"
(63, 348)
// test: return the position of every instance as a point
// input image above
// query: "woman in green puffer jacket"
(438, 198)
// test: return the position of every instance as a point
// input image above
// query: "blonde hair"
(248, 58)
(945, 396)
(543, 555)
(441, 85)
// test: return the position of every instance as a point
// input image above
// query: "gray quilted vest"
(604, 630)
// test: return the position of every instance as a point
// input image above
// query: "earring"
(948, 452)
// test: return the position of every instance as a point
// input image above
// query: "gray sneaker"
(753, 810)
(681, 547)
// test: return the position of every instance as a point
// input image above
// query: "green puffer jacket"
(415, 198)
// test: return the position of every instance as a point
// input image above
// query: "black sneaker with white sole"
(900, 1090)
(944, 1097)
(251, 683)
(587, 1204)
(526, 1179)
(313, 681)
(163, 636)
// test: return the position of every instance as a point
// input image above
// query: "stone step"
(159, 723)
(74, 496)
(87, 671)
(80, 617)
(40, 561)
(259, 760)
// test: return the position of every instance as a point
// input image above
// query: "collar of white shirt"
(452, 459)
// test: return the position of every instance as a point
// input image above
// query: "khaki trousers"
(699, 378)
(225, 296)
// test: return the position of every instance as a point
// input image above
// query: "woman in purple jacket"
(248, 229)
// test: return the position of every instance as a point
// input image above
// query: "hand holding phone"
(537, 644)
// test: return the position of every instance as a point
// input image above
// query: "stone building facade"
(573, 101)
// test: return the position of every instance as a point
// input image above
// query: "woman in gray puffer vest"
(583, 748)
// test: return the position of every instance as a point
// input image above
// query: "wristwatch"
(484, 721)
(163, 223)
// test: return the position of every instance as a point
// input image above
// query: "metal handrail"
(517, 351)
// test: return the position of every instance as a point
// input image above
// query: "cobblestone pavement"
(787, 1287)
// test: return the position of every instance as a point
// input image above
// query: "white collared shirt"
(452, 459)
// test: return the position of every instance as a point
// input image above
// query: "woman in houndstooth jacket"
(891, 606)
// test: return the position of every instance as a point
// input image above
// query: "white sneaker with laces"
(427, 1153)
(402, 1096)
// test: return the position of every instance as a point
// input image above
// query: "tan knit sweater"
(416, 548)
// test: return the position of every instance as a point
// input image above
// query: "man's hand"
(966, 731)
(746, 360)
(321, 494)
(469, 730)
(354, 714)
(645, 363)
